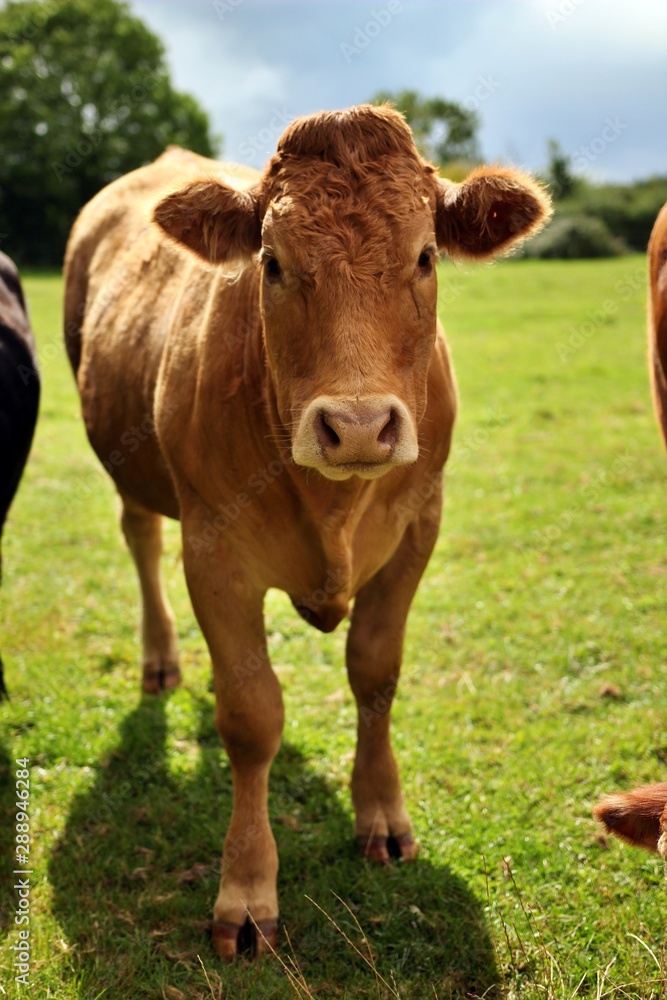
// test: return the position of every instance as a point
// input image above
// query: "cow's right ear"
(636, 816)
(215, 221)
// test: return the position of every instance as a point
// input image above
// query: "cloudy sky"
(590, 73)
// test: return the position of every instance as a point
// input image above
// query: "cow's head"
(346, 225)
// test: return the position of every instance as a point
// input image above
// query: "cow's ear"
(489, 212)
(637, 816)
(215, 221)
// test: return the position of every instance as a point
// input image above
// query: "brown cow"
(640, 816)
(284, 388)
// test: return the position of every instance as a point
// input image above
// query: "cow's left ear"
(489, 212)
(215, 221)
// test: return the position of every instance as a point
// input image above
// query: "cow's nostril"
(328, 435)
(389, 432)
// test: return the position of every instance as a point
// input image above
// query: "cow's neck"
(333, 509)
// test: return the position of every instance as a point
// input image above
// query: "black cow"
(19, 392)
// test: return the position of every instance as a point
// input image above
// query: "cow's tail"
(636, 816)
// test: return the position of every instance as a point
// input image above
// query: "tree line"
(85, 96)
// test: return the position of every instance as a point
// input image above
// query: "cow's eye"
(272, 269)
(425, 262)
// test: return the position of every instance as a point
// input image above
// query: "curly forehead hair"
(349, 177)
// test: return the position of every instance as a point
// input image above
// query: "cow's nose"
(347, 436)
(358, 433)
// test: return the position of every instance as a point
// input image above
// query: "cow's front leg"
(249, 718)
(374, 653)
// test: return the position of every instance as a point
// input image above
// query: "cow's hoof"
(252, 939)
(171, 678)
(157, 679)
(383, 850)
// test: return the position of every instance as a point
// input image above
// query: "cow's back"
(123, 286)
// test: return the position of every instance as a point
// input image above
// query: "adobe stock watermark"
(131, 439)
(598, 483)
(458, 283)
(39, 15)
(227, 513)
(116, 111)
(412, 502)
(255, 148)
(21, 949)
(381, 704)
(238, 845)
(52, 348)
(597, 318)
(374, 26)
(136, 777)
(485, 88)
(108, 295)
(224, 7)
(465, 447)
(585, 155)
(562, 11)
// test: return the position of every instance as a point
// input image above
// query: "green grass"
(547, 589)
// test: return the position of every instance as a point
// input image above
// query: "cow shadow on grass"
(135, 874)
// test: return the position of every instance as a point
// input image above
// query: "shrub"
(572, 236)
(627, 210)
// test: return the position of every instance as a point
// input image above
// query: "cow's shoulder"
(188, 164)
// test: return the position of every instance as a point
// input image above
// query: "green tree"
(444, 130)
(560, 178)
(85, 96)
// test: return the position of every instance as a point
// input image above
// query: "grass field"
(535, 679)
